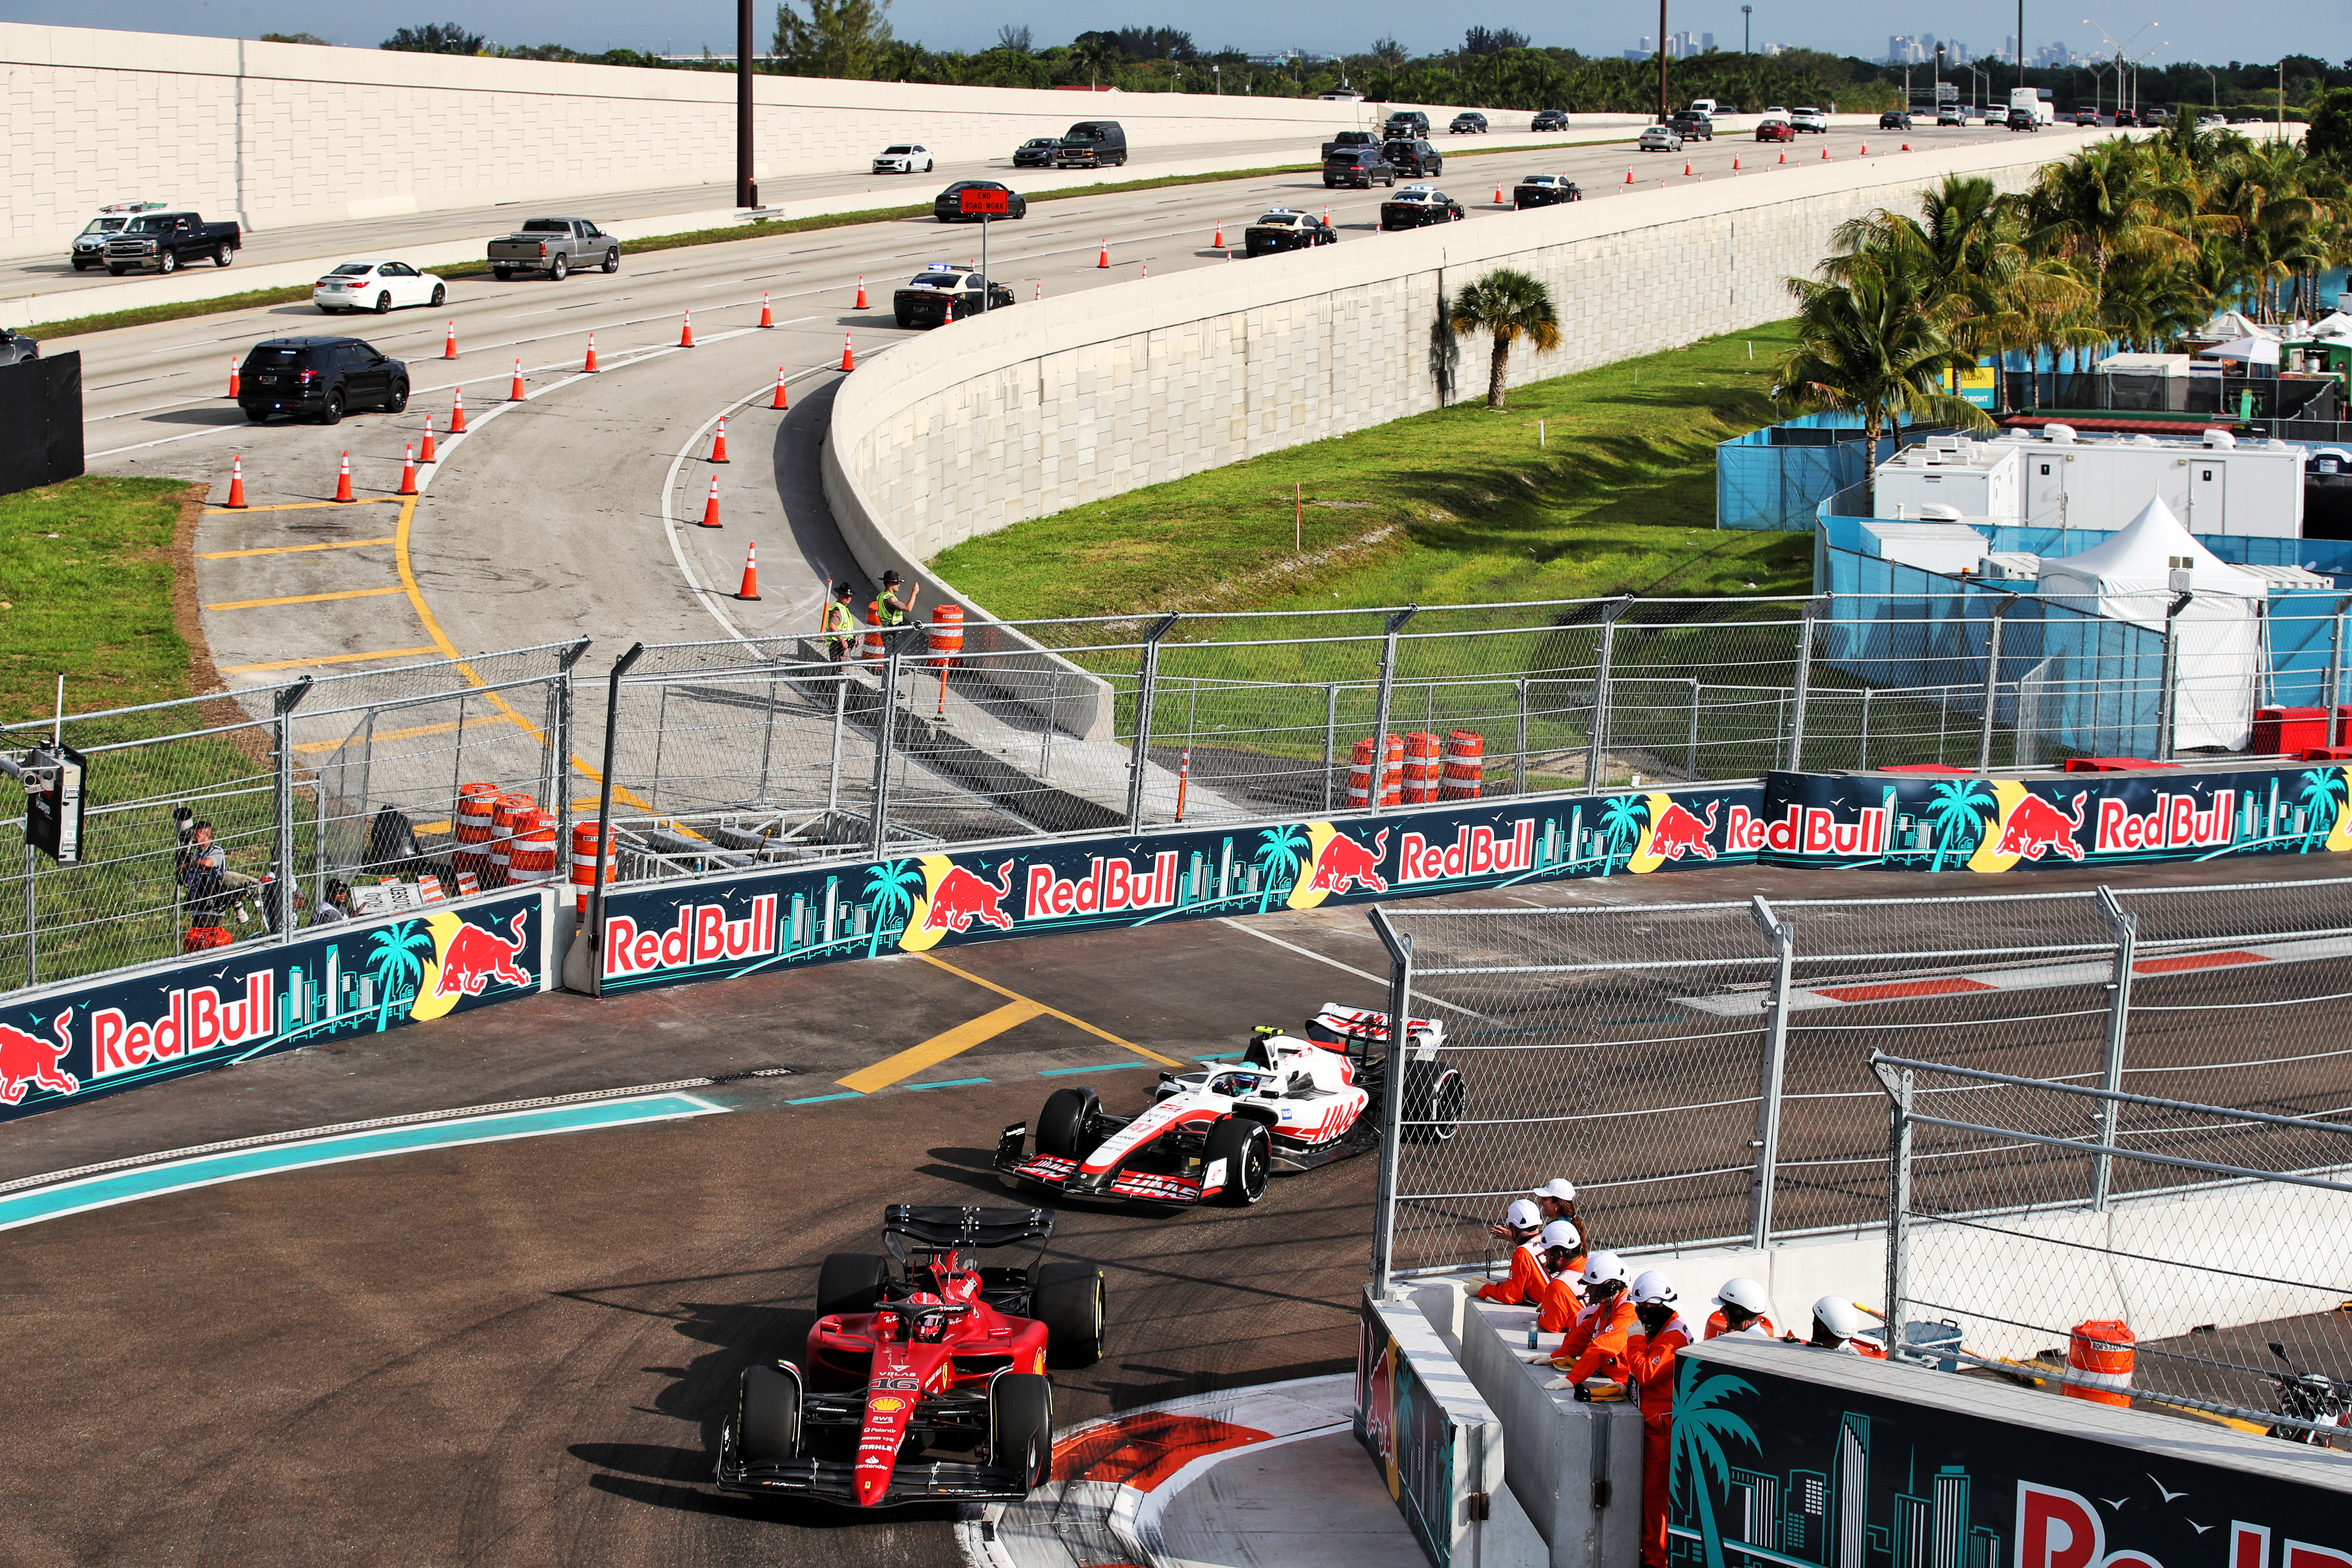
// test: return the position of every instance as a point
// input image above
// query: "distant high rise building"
(1706, 42)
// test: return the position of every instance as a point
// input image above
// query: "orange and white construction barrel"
(2099, 1355)
(1465, 766)
(1420, 771)
(947, 636)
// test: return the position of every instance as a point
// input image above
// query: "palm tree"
(1622, 817)
(1278, 862)
(889, 892)
(393, 962)
(1508, 304)
(2322, 790)
(1703, 1432)
(1960, 807)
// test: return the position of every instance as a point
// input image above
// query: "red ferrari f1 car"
(922, 1382)
(1289, 1104)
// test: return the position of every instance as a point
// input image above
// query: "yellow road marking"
(329, 658)
(940, 1047)
(447, 727)
(301, 599)
(1051, 1012)
(289, 549)
(302, 506)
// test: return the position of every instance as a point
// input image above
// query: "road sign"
(980, 202)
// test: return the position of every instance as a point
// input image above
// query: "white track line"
(1381, 980)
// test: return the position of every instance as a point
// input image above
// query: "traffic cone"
(408, 472)
(1865, 149)
(719, 442)
(849, 360)
(1906, 146)
(515, 395)
(590, 368)
(686, 337)
(1735, 163)
(1629, 176)
(767, 317)
(1041, 289)
(1825, 155)
(1686, 168)
(1784, 157)
(1104, 259)
(781, 402)
(343, 481)
(950, 320)
(1499, 192)
(236, 483)
(425, 454)
(457, 412)
(1147, 267)
(711, 506)
(449, 344)
(232, 376)
(861, 292)
(1327, 214)
(1216, 244)
(750, 588)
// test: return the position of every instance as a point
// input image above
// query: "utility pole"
(747, 190)
(1745, 13)
(1661, 70)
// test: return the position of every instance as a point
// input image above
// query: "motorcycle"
(2312, 1396)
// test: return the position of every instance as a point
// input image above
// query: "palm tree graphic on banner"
(1622, 817)
(395, 962)
(1958, 811)
(2322, 793)
(1704, 1430)
(1279, 851)
(891, 893)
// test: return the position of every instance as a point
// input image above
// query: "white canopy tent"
(2133, 575)
(2336, 324)
(2254, 351)
(2237, 324)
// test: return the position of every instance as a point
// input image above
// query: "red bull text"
(1108, 887)
(701, 934)
(1806, 830)
(1474, 852)
(194, 1021)
(2175, 823)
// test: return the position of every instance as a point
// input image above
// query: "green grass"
(86, 580)
(1457, 506)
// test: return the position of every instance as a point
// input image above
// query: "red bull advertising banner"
(743, 924)
(1961, 822)
(75, 1042)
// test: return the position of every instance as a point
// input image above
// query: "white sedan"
(903, 158)
(1661, 139)
(377, 286)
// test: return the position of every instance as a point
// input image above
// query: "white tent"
(2336, 324)
(2254, 351)
(2236, 324)
(2134, 574)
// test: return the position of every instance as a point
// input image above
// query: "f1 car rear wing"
(1360, 1027)
(943, 1226)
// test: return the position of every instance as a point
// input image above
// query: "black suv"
(1894, 120)
(1357, 166)
(323, 376)
(1466, 123)
(1550, 120)
(1405, 123)
(1415, 157)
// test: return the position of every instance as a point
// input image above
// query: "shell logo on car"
(888, 1404)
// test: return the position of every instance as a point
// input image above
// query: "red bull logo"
(702, 933)
(1474, 852)
(1677, 833)
(194, 1021)
(962, 898)
(1807, 830)
(2034, 827)
(28, 1062)
(1107, 888)
(2175, 823)
(476, 957)
(1346, 864)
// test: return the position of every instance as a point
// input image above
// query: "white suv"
(1806, 119)
(903, 158)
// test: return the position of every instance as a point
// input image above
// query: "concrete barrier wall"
(277, 134)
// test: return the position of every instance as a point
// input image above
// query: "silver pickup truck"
(555, 246)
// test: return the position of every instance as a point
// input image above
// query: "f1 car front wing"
(1061, 1174)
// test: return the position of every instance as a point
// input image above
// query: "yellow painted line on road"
(1050, 1012)
(301, 505)
(327, 658)
(301, 599)
(289, 549)
(940, 1047)
(447, 727)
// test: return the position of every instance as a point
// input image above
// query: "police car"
(926, 300)
(1416, 205)
(1282, 229)
(1545, 191)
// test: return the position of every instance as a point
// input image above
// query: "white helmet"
(1838, 1315)
(1560, 1233)
(1652, 1286)
(1522, 1214)
(1558, 1187)
(1745, 1294)
(1603, 1266)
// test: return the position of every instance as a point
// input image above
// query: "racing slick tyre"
(1247, 1150)
(1021, 1424)
(767, 1416)
(850, 1282)
(1432, 1102)
(1068, 1299)
(1062, 1125)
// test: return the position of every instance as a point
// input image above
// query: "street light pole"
(1661, 70)
(1745, 45)
(747, 190)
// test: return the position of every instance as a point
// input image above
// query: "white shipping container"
(1971, 479)
(2100, 484)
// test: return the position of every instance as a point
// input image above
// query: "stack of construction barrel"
(1411, 773)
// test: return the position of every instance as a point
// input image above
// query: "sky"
(2201, 32)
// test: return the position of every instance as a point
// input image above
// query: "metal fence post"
(1781, 936)
(2167, 709)
(1690, 765)
(2335, 663)
(1380, 706)
(885, 737)
(1898, 1211)
(1992, 682)
(1331, 737)
(2124, 926)
(559, 732)
(1596, 739)
(281, 839)
(1804, 682)
(1384, 1203)
(840, 717)
(1519, 752)
(595, 930)
(1139, 755)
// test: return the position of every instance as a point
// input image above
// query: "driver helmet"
(931, 1327)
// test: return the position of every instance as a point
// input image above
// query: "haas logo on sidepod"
(2034, 827)
(1677, 833)
(477, 957)
(1344, 863)
(961, 898)
(27, 1060)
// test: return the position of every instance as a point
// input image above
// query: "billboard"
(74, 1043)
(1408, 1432)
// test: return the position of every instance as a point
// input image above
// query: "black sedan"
(1037, 153)
(941, 287)
(1894, 120)
(1467, 124)
(948, 205)
(1550, 120)
(1544, 191)
(1417, 206)
(1282, 229)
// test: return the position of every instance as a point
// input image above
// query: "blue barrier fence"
(1773, 479)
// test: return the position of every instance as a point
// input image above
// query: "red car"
(1775, 130)
(924, 1381)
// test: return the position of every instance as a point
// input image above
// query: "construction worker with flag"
(1741, 1306)
(1598, 1336)
(1648, 1361)
(1524, 1286)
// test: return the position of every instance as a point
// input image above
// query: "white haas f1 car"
(1289, 1104)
